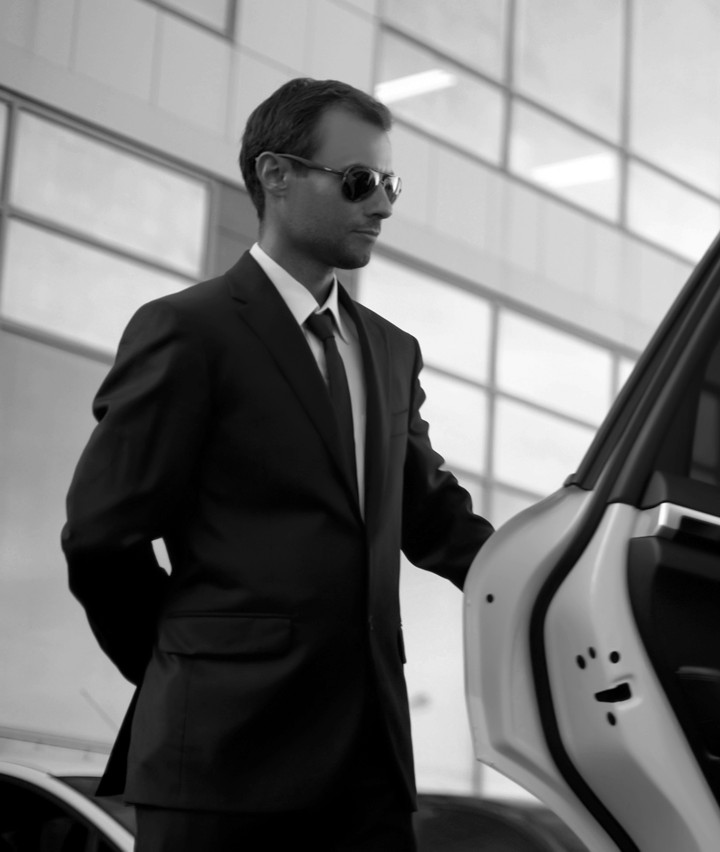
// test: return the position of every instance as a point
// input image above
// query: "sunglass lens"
(393, 185)
(360, 182)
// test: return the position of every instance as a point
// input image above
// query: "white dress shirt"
(302, 304)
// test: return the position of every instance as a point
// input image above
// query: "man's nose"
(379, 204)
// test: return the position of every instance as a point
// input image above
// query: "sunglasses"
(358, 182)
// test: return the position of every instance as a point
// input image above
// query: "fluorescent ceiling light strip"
(593, 168)
(413, 85)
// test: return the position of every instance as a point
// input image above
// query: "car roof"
(56, 768)
(53, 758)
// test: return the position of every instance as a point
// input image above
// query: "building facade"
(561, 176)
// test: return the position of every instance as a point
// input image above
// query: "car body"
(454, 823)
(592, 618)
(51, 805)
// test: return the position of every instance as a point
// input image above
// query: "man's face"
(318, 223)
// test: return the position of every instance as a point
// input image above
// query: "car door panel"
(500, 594)
(617, 725)
(611, 613)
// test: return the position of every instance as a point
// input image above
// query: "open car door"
(592, 619)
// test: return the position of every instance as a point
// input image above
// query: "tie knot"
(321, 325)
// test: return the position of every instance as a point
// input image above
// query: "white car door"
(592, 620)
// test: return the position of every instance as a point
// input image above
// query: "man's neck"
(316, 278)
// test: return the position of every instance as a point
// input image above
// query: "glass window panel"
(470, 31)
(553, 368)
(214, 13)
(69, 289)
(536, 451)
(670, 214)
(675, 97)
(3, 134)
(453, 326)
(625, 367)
(691, 445)
(51, 672)
(457, 414)
(506, 504)
(109, 194)
(475, 490)
(569, 56)
(439, 97)
(564, 161)
(706, 450)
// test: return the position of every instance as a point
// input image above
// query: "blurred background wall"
(561, 169)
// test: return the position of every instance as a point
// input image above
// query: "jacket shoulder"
(398, 338)
(195, 296)
(214, 295)
(197, 307)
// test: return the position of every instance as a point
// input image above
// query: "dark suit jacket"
(216, 433)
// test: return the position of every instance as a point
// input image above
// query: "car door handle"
(672, 521)
(621, 692)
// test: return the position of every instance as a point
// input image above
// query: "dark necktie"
(321, 325)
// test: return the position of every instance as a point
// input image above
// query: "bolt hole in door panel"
(592, 630)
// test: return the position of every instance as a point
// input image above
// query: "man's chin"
(355, 261)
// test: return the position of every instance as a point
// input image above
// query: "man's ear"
(272, 172)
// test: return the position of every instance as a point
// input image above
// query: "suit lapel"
(376, 364)
(264, 311)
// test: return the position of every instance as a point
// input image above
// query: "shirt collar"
(298, 298)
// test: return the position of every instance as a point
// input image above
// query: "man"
(271, 709)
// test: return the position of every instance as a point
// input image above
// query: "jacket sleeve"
(440, 531)
(134, 472)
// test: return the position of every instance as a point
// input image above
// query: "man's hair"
(285, 123)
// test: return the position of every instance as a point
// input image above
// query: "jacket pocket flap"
(225, 635)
